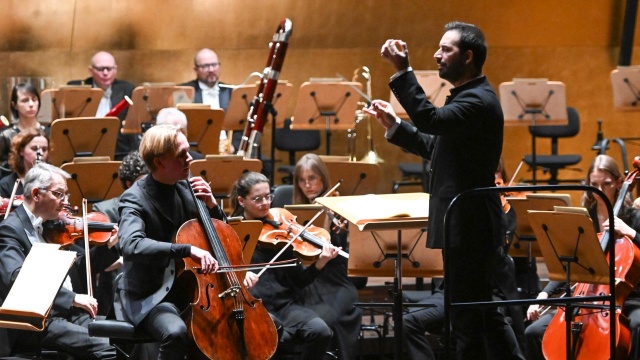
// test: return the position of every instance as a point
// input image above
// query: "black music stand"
(94, 180)
(435, 88)
(331, 100)
(534, 102)
(358, 178)
(149, 99)
(69, 102)
(78, 137)
(572, 253)
(394, 212)
(203, 127)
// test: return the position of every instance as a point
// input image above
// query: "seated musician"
(416, 321)
(27, 148)
(279, 289)
(332, 294)
(173, 116)
(151, 212)
(66, 328)
(25, 104)
(604, 173)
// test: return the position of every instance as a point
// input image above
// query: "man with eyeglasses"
(209, 89)
(45, 195)
(103, 70)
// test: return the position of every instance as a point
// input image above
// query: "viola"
(590, 327)
(280, 227)
(66, 229)
(4, 203)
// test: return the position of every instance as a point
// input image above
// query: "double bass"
(226, 321)
(590, 328)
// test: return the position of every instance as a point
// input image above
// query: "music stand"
(385, 212)
(29, 301)
(222, 171)
(78, 137)
(149, 99)
(534, 102)
(242, 98)
(358, 178)
(625, 81)
(248, 231)
(435, 88)
(69, 102)
(305, 212)
(94, 181)
(333, 101)
(572, 253)
(203, 127)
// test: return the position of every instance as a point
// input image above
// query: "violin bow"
(13, 195)
(87, 258)
(515, 173)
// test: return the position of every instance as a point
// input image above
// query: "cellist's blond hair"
(157, 142)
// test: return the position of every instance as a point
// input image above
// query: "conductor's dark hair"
(471, 38)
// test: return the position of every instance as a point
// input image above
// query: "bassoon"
(261, 104)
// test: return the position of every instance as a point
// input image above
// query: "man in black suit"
(45, 194)
(209, 89)
(463, 139)
(103, 70)
(151, 212)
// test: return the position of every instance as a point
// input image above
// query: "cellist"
(604, 174)
(279, 288)
(151, 212)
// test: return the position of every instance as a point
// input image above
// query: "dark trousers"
(417, 321)
(165, 325)
(72, 337)
(480, 332)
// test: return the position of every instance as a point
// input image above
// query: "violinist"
(27, 148)
(279, 289)
(604, 174)
(332, 294)
(151, 212)
(25, 104)
(66, 327)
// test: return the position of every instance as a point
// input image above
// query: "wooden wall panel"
(574, 41)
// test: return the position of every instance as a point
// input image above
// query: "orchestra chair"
(92, 178)
(81, 137)
(282, 195)
(413, 174)
(553, 162)
(286, 139)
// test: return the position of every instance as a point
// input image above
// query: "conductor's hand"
(397, 53)
(86, 302)
(250, 279)
(383, 112)
(533, 312)
(328, 252)
(203, 191)
(207, 263)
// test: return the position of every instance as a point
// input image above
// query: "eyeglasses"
(311, 180)
(103, 68)
(206, 66)
(58, 194)
(262, 199)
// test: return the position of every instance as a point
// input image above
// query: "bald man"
(103, 71)
(209, 89)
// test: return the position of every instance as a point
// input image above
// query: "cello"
(590, 328)
(226, 321)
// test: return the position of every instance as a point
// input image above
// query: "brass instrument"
(371, 157)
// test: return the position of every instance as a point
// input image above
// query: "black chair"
(286, 139)
(553, 162)
(282, 195)
(413, 174)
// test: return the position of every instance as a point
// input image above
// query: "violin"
(590, 328)
(280, 227)
(66, 229)
(4, 204)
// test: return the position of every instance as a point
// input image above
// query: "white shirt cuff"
(401, 72)
(389, 133)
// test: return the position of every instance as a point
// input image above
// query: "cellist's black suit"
(463, 139)
(150, 215)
